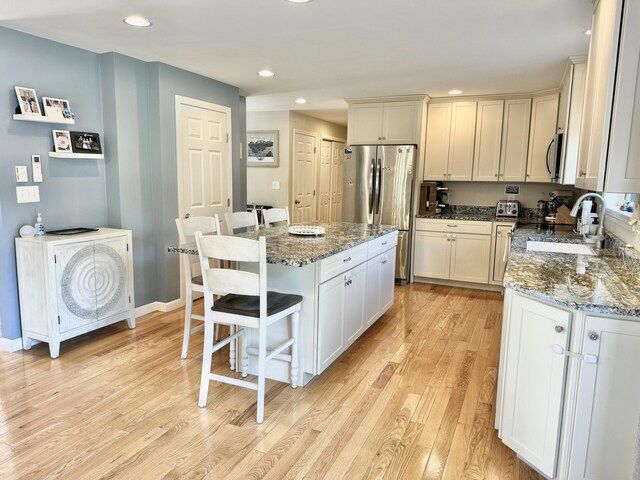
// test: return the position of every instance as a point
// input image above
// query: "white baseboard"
(10, 345)
(159, 307)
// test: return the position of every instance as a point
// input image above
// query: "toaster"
(508, 208)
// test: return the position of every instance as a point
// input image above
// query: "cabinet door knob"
(496, 175)
(559, 328)
(345, 260)
(583, 173)
(593, 336)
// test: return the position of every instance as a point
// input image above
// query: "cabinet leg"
(54, 349)
(131, 321)
(27, 343)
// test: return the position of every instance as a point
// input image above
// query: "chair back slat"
(275, 215)
(237, 220)
(225, 247)
(224, 280)
(187, 227)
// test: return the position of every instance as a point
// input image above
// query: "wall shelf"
(97, 156)
(43, 119)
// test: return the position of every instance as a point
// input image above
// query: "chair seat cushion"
(249, 305)
(197, 280)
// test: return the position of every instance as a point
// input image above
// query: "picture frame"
(56, 108)
(262, 148)
(28, 101)
(85, 142)
(61, 141)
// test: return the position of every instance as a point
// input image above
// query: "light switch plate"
(29, 194)
(275, 185)
(22, 176)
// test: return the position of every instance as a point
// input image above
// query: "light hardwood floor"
(412, 398)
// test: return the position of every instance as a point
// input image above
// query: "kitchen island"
(346, 278)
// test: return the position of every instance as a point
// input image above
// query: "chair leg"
(244, 358)
(295, 320)
(262, 371)
(207, 355)
(232, 348)
(188, 308)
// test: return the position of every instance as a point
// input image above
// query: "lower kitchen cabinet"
(501, 244)
(568, 399)
(380, 281)
(433, 254)
(470, 257)
(70, 285)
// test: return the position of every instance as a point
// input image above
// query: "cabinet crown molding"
(400, 98)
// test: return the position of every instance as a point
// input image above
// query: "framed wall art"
(28, 101)
(262, 148)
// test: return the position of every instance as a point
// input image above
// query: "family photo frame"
(57, 108)
(85, 142)
(28, 101)
(262, 148)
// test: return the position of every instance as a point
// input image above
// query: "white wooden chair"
(237, 220)
(247, 304)
(275, 215)
(191, 265)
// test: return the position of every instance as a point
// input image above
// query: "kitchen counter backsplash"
(479, 214)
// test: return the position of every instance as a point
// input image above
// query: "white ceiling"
(328, 50)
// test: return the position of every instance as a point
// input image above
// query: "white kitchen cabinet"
(570, 117)
(451, 130)
(74, 284)
(354, 303)
(601, 75)
(515, 140)
(331, 319)
(452, 250)
(501, 240)
(544, 117)
(379, 290)
(385, 122)
(486, 160)
(534, 379)
(608, 401)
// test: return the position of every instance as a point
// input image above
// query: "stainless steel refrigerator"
(378, 190)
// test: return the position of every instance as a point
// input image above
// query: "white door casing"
(304, 177)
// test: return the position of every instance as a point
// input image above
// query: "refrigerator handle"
(378, 185)
(372, 171)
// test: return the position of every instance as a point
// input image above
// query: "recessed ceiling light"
(455, 91)
(301, 101)
(298, 1)
(587, 32)
(137, 21)
(266, 73)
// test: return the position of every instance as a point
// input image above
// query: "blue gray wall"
(132, 105)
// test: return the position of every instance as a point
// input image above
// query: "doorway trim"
(192, 102)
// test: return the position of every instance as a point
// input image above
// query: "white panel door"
(76, 285)
(470, 257)
(337, 173)
(515, 140)
(331, 301)
(437, 142)
(204, 162)
(486, 160)
(400, 122)
(111, 276)
(608, 405)
(534, 382)
(432, 254)
(324, 182)
(462, 141)
(544, 118)
(304, 177)
(354, 303)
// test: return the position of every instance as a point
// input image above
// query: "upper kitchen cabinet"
(380, 122)
(451, 132)
(609, 133)
(544, 116)
(570, 117)
(515, 140)
(486, 159)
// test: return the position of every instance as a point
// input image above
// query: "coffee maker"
(433, 198)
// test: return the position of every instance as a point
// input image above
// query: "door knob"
(559, 328)
(593, 336)
(187, 215)
(297, 202)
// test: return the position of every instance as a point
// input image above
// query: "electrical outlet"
(28, 194)
(275, 185)
(21, 174)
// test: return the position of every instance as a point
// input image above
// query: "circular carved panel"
(93, 272)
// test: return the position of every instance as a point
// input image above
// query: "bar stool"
(275, 215)
(191, 265)
(247, 304)
(237, 220)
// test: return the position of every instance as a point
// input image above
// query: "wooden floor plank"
(413, 397)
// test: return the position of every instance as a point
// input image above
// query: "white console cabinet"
(70, 285)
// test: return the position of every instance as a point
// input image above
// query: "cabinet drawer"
(341, 262)
(454, 226)
(382, 244)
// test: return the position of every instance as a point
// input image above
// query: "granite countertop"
(606, 283)
(297, 251)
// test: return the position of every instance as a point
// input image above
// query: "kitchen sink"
(571, 248)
